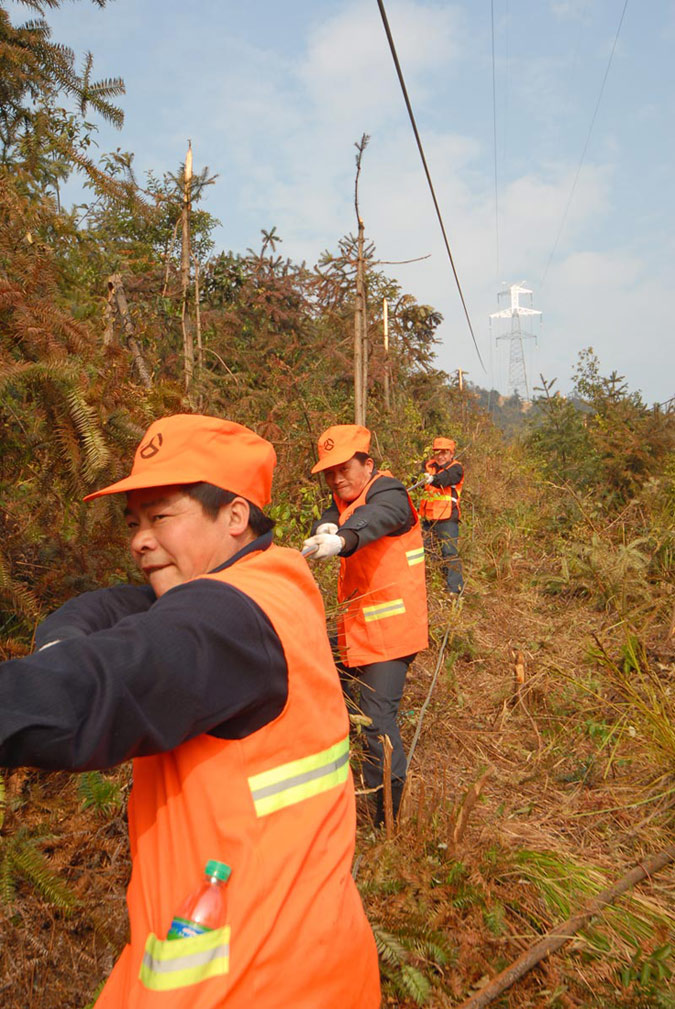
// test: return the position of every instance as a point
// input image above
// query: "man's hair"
(212, 499)
(363, 457)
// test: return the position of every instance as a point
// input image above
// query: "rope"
(428, 698)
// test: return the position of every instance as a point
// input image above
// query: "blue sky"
(273, 97)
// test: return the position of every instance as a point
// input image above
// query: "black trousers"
(376, 690)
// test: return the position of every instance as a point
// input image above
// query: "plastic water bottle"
(204, 909)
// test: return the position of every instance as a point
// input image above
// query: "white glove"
(428, 478)
(322, 545)
(327, 527)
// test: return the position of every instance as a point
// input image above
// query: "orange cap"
(340, 443)
(445, 443)
(190, 448)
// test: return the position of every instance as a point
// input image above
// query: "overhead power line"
(392, 47)
(583, 153)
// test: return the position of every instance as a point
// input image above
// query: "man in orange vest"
(217, 678)
(440, 508)
(373, 527)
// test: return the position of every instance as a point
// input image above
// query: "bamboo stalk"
(563, 933)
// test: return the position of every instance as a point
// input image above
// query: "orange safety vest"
(437, 503)
(383, 595)
(278, 807)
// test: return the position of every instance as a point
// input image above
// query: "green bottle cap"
(218, 869)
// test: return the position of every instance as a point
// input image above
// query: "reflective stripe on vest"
(415, 556)
(382, 610)
(300, 779)
(178, 963)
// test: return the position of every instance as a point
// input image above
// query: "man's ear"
(370, 465)
(239, 514)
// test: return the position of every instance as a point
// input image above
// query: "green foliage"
(648, 971)
(40, 139)
(104, 795)
(20, 860)
(604, 439)
(396, 953)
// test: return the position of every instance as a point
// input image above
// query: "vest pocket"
(179, 963)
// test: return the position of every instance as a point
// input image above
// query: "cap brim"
(335, 459)
(135, 483)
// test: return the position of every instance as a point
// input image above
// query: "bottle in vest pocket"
(205, 908)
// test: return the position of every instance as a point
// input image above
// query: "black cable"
(426, 170)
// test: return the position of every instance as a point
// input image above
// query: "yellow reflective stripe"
(415, 556)
(300, 779)
(179, 963)
(383, 610)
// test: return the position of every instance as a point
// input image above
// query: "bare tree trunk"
(167, 255)
(186, 322)
(360, 346)
(385, 328)
(198, 318)
(360, 327)
(116, 293)
(109, 331)
(560, 935)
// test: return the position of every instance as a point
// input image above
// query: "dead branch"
(116, 292)
(471, 797)
(563, 933)
(386, 783)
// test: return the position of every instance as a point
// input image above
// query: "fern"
(395, 956)
(434, 951)
(96, 454)
(416, 985)
(19, 858)
(389, 948)
(101, 794)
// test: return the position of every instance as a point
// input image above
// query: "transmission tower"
(515, 312)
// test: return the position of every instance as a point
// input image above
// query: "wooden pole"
(560, 935)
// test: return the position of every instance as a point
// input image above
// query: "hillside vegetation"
(541, 720)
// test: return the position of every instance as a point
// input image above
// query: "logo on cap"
(328, 444)
(151, 447)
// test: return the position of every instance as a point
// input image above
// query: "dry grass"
(580, 779)
(544, 769)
